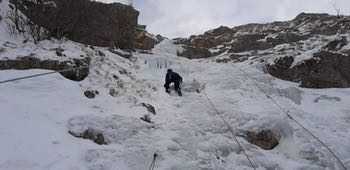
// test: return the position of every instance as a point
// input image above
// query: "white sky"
(175, 18)
(182, 18)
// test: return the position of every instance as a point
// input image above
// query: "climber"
(173, 77)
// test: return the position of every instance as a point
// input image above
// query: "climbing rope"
(153, 164)
(42, 74)
(230, 129)
(287, 112)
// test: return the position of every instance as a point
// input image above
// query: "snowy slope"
(187, 133)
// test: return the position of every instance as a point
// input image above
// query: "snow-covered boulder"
(106, 130)
(32, 62)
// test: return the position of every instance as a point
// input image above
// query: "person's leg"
(167, 87)
(178, 88)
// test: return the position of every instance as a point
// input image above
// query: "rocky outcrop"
(160, 38)
(336, 45)
(249, 42)
(194, 52)
(145, 40)
(286, 38)
(84, 21)
(321, 24)
(323, 37)
(31, 62)
(325, 70)
(255, 37)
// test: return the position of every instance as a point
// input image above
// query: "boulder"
(265, 139)
(84, 21)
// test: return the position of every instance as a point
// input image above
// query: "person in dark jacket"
(173, 77)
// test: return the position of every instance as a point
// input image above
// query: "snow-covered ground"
(187, 133)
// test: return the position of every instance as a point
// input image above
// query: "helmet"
(170, 70)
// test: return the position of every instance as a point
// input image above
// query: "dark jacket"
(172, 77)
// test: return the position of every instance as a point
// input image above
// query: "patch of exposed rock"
(195, 52)
(336, 45)
(91, 93)
(31, 62)
(265, 139)
(325, 69)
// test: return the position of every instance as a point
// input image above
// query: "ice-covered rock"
(112, 129)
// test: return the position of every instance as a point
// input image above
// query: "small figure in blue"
(173, 77)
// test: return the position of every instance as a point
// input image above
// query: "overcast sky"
(181, 18)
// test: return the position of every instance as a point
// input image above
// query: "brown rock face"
(84, 21)
(325, 70)
(145, 41)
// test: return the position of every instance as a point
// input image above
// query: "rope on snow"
(287, 112)
(231, 130)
